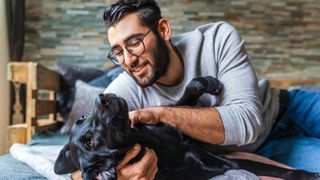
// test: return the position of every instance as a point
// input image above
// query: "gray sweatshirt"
(214, 50)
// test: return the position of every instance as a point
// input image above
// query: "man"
(159, 67)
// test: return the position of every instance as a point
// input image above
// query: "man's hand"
(76, 175)
(146, 116)
(145, 169)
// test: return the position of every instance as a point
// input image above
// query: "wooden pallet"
(41, 113)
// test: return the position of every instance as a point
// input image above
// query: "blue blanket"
(11, 168)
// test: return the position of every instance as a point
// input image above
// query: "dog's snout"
(107, 99)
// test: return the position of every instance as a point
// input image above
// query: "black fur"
(99, 142)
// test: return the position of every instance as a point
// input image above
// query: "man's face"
(147, 68)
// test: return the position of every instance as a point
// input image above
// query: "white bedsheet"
(39, 158)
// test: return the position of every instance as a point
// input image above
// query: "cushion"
(114, 72)
(107, 78)
(84, 99)
(69, 74)
(101, 81)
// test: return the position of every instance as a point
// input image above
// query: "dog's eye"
(88, 141)
(88, 144)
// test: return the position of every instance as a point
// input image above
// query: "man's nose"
(129, 58)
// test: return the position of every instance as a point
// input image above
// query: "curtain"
(15, 12)
(15, 19)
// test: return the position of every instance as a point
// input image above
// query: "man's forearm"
(203, 124)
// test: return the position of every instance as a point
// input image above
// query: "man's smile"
(139, 69)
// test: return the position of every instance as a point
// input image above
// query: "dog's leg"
(197, 87)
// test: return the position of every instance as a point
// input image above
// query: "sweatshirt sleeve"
(240, 107)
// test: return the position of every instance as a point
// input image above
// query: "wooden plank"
(45, 107)
(16, 134)
(52, 96)
(17, 72)
(43, 77)
(47, 79)
(31, 101)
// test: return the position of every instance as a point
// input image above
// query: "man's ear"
(164, 29)
(63, 164)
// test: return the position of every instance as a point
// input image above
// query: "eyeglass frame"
(117, 62)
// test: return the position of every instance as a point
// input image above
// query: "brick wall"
(282, 37)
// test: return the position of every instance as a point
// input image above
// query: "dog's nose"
(107, 99)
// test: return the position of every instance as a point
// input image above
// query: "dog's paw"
(214, 86)
(197, 86)
(201, 85)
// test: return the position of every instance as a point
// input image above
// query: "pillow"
(101, 81)
(107, 78)
(115, 71)
(84, 99)
(69, 74)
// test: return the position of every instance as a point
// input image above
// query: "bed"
(72, 84)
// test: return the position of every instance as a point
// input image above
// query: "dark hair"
(149, 12)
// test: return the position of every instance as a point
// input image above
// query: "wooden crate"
(37, 79)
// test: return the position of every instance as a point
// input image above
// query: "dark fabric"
(49, 138)
(101, 81)
(104, 80)
(114, 72)
(84, 99)
(69, 74)
(284, 100)
(15, 10)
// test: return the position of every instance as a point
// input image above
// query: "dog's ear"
(64, 164)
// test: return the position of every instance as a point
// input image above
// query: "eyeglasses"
(134, 46)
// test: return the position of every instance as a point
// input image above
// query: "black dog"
(99, 142)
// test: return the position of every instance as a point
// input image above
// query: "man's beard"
(161, 56)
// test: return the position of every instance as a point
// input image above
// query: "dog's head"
(94, 140)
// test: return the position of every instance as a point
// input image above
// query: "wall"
(69, 30)
(282, 37)
(4, 84)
